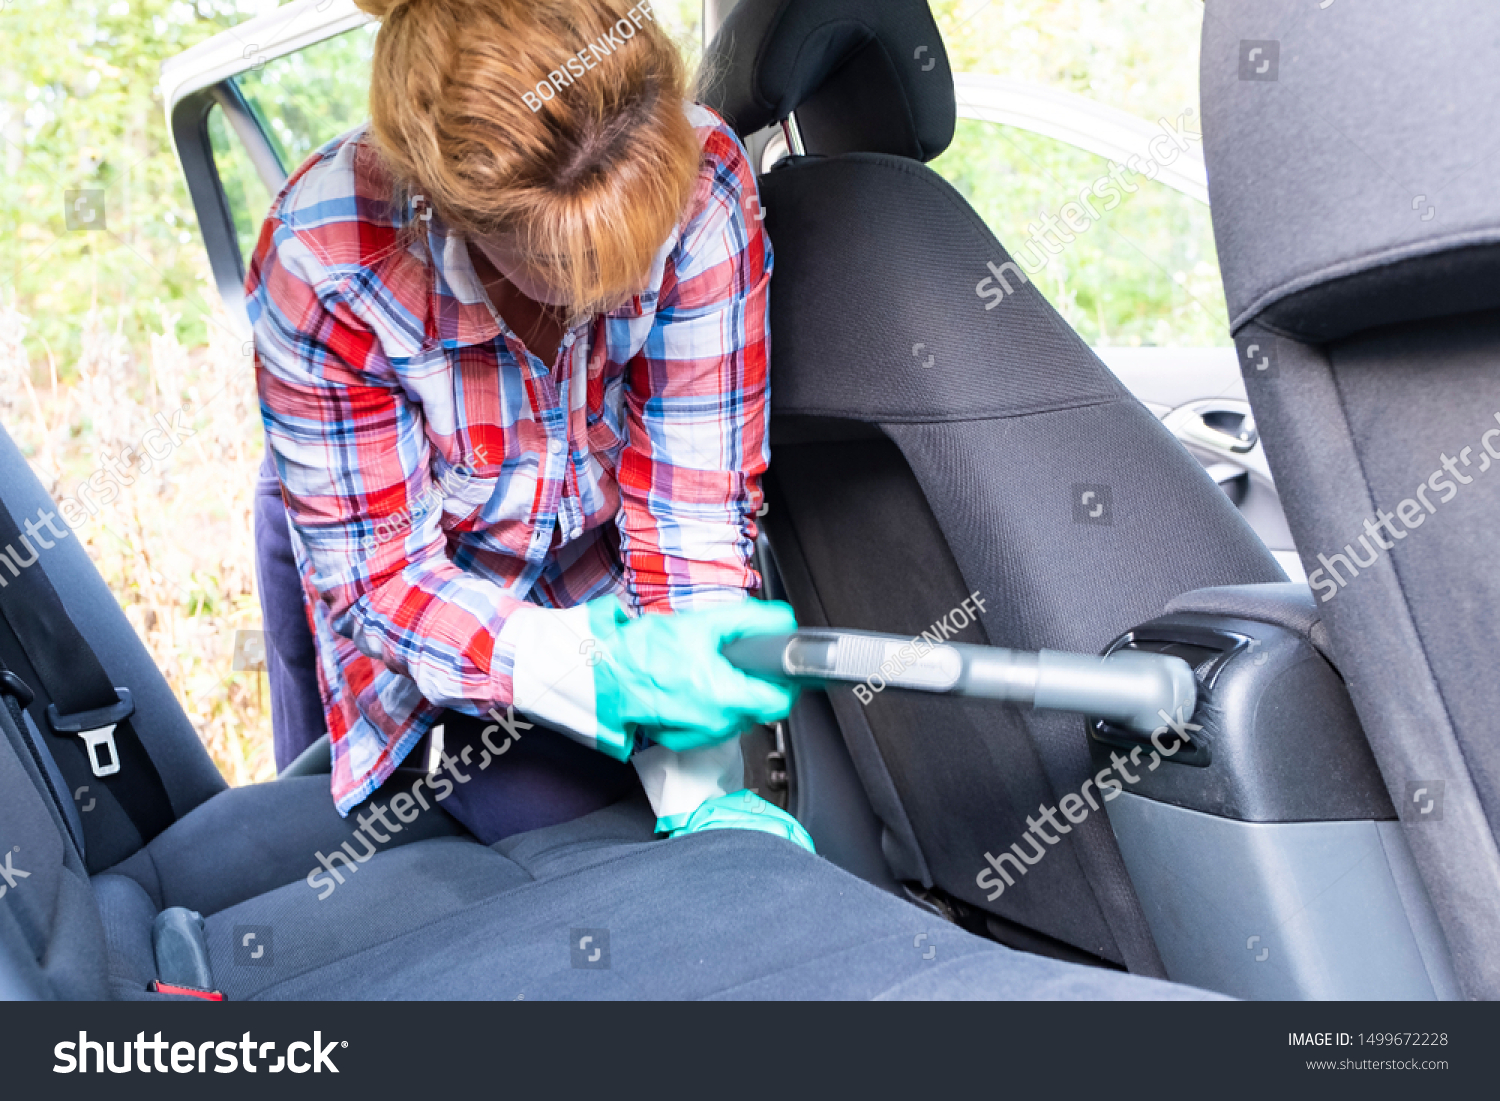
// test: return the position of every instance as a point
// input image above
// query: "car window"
(301, 101)
(1134, 264)
(1138, 55)
(683, 20)
(244, 190)
(308, 98)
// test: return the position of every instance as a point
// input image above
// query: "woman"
(511, 352)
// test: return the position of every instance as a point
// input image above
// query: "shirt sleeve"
(697, 403)
(356, 470)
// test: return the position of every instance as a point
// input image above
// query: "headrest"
(864, 76)
(1348, 156)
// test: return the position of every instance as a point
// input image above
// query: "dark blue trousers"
(544, 778)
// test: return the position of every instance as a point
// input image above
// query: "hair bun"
(380, 9)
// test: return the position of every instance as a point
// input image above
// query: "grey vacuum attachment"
(1130, 689)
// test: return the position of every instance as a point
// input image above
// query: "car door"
(249, 105)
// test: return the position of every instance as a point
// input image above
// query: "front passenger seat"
(938, 435)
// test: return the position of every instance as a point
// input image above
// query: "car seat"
(1358, 233)
(932, 439)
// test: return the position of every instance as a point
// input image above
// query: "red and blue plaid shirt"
(438, 476)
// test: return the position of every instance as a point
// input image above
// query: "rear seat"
(726, 914)
(52, 942)
(432, 913)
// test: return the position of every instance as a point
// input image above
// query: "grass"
(173, 537)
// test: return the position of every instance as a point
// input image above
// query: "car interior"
(1287, 849)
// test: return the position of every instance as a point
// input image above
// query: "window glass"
(1138, 55)
(308, 98)
(1127, 267)
(683, 20)
(1142, 269)
(243, 189)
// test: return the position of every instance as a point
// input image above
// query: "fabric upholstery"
(727, 913)
(967, 486)
(1355, 427)
(1345, 180)
(860, 75)
(186, 770)
(1359, 242)
(721, 914)
(52, 942)
(252, 839)
(127, 912)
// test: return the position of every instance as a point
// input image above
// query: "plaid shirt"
(438, 477)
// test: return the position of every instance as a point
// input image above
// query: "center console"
(1258, 832)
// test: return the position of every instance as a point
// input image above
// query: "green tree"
(80, 113)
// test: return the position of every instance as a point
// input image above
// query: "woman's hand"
(665, 673)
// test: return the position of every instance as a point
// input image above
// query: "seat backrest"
(186, 771)
(52, 940)
(932, 441)
(1358, 230)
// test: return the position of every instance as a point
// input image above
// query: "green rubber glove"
(665, 673)
(744, 810)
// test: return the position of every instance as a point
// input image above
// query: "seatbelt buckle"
(97, 729)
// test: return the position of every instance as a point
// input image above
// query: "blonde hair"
(585, 186)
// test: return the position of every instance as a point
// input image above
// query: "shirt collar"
(462, 313)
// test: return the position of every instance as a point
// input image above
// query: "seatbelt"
(85, 704)
(17, 695)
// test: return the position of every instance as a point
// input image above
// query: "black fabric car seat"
(934, 438)
(299, 903)
(726, 914)
(1358, 231)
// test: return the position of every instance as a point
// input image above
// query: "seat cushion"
(433, 914)
(128, 913)
(247, 841)
(722, 914)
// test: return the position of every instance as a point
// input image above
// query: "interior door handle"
(1222, 426)
(1225, 472)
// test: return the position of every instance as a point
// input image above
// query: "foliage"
(1146, 272)
(79, 110)
(171, 533)
(1143, 273)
